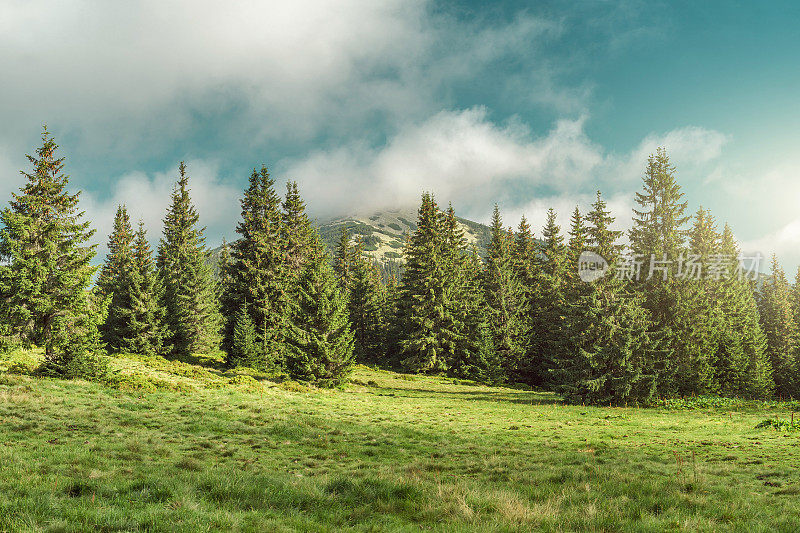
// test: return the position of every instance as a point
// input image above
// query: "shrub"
(779, 425)
(87, 365)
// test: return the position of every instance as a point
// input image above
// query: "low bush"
(779, 425)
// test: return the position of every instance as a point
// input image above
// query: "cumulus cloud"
(148, 196)
(131, 76)
(464, 157)
(767, 198)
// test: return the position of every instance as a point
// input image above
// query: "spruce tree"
(245, 347)
(777, 321)
(547, 308)
(659, 223)
(678, 305)
(146, 316)
(45, 243)
(606, 352)
(525, 255)
(119, 254)
(298, 237)
(319, 339)
(115, 279)
(343, 259)
(743, 367)
(366, 305)
(258, 270)
(421, 306)
(577, 244)
(505, 298)
(465, 328)
(192, 315)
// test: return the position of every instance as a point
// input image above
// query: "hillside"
(384, 233)
(190, 446)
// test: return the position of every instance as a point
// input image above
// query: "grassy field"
(182, 447)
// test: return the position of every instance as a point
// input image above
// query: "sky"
(368, 104)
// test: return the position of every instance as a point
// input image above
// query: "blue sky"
(368, 103)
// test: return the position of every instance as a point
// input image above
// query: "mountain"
(384, 233)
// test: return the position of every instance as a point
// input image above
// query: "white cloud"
(147, 198)
(120, 77)
(465, 158)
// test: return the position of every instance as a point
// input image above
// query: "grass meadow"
(189, 446)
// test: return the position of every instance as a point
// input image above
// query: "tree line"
(277, 301)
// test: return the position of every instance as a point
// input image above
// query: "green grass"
(204, 449)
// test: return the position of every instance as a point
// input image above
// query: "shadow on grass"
(525, 398)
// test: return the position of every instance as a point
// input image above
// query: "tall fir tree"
(505, 298)
(115, 279)
(366, 305)
(676, 303)
(319, 339)
(547, 307)
(343, 259)
(44, 240)
(298, 238)
(525, 255)
(192, 313)
(774, 304)
(606, 352)
(258, 270)
(743, 367)
(465, 328)
(119, 254)
(145, 314)
(659, 223)
(421, 306)
(576, 245)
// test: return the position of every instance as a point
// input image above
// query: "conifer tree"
(114, 281)
(45, 243)
(743, 367)
(119, 254)
(465, 327)
(258, 270)
(505, 299)
(525, 255)
(547, 309)
(778, 324)
(606, 353)
(366, 305)
(659, 223)
(421, 309)
(298, 237)
(576, 245)
(192, 315)
(674, 302)
(319, 339)
(343, 259)
(145, 330)
(245, 348)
